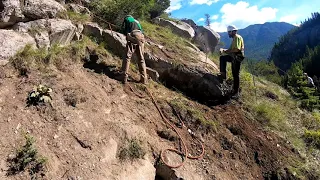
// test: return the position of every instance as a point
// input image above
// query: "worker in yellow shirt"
(235, 55)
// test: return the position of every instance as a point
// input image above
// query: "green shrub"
(312, 138)
(132, 150)
(28, 58)
(41, 59)
(27, 158)
(39, 95)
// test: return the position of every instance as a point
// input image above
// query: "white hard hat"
(232, 28)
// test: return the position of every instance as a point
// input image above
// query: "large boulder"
(40, 9)
(11, 42)
(115, 41)
(195, 81)
(61, 31)
(11, 12)
(78, 8)
(48, 32)
(206, 39)
(180, 28)
(93, 30)
(37, 29)
(190, 22)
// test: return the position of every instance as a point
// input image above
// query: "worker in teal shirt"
(132, 29)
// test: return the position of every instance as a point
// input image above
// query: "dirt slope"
(83, 142)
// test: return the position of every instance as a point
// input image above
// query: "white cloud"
(215, 17)
(201, 20)
(289, 18)
(242, 15)
(208, 2)
(174, 5)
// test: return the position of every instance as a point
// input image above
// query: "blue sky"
(243, 13)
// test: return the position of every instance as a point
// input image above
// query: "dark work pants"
(235, 66)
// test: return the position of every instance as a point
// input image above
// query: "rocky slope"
(97, 128)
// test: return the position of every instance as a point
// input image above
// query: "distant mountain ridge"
(259, 39)
(297, 44)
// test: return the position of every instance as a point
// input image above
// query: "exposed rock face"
(180, 28)
(39, 9)
(11, 42)
(78, 8)
(94, 30)
(206, 39)
(49, 32)
(195, 82)
(190, 22)
(11, 12)
(61, 31)
(140, 169)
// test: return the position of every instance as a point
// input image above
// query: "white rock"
(40, 9)
(11, 42)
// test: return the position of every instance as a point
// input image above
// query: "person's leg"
(142, 64)
(223, 65)
(139, 38)
(236, 76)
(126, 61)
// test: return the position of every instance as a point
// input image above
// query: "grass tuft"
(27, 158)
(132, 150)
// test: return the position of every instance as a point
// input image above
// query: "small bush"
(28, 58)
(313, 122)
(312, 138)
(27, 158)
(133, 150)
(39, 95)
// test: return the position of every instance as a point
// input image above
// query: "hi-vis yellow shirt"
(237, 43)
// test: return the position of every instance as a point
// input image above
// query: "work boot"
(235, 95)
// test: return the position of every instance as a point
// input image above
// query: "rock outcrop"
(180, 28)
(206, 38)
(49, 32)
(11, 42)
(78, 8)
(39, 9)
(13, 11)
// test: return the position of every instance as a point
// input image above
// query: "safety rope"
(185, 153)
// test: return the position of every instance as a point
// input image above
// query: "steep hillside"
(97, 128)
(259, 38)
(65, 114)
(293, 45)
